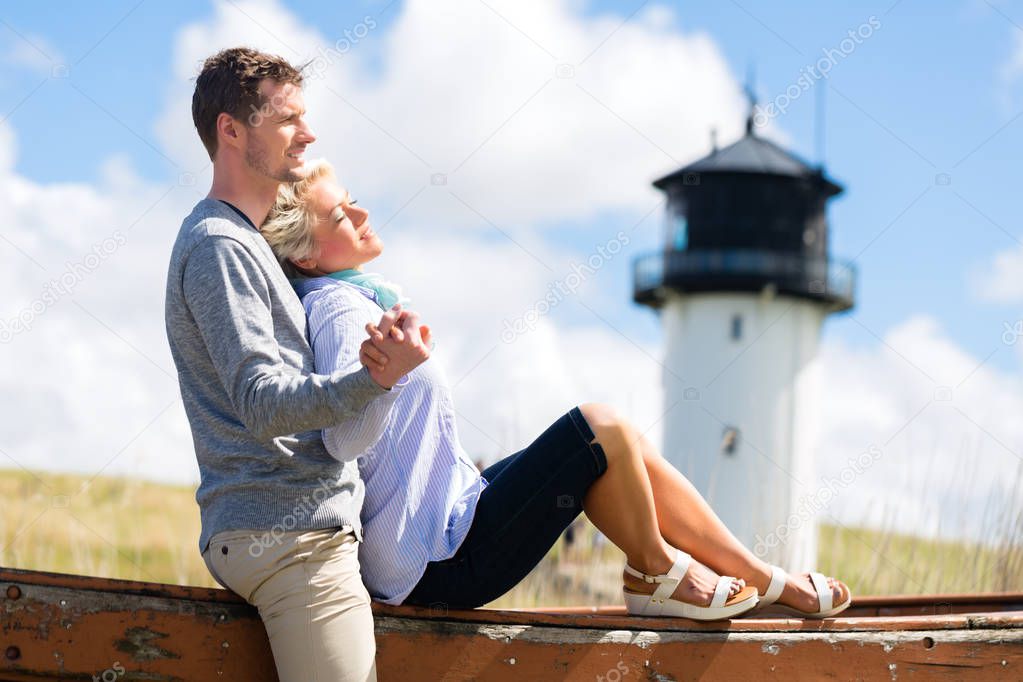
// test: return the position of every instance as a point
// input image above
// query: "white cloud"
(485, 106)
(34, 53)
(8, 148)
(1001, 280)
(1010, 71)
(509, 390)
(84, 361)
(946, 423)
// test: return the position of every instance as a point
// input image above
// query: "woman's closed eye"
(338, 214)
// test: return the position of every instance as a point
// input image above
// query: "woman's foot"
(799, 592)
(696, 587)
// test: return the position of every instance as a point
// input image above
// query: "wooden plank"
(1007, 619)
(76, 627)
(599, 617)
(52, 632)
(463, 651)
(88, 582)
(887, 605)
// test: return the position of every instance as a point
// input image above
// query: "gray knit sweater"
(237, 332)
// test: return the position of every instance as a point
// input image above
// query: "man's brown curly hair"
(229, 83)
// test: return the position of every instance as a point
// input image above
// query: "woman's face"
(342, 232)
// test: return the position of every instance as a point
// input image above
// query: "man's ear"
(228, 129)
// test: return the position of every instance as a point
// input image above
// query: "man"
(280, 516)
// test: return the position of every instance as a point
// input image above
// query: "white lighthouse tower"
(742, 288)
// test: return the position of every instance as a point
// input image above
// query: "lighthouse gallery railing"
(705, 269)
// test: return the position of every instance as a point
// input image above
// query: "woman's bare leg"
(621, 504)
(687, 521)
(643, 484)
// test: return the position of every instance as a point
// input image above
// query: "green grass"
(139, 530)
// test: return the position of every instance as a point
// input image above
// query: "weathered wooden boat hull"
(74, 627)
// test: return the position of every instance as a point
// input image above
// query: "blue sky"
(924, 95)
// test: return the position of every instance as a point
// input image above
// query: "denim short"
(531, 497)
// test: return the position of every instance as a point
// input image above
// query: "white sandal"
(660, 602)
(820, 583)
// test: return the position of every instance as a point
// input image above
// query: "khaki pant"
(309, 593)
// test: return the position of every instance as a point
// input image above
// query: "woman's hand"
(396, 346)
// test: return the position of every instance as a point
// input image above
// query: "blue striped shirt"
(421, 486)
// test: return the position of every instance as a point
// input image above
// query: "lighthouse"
(742, 286)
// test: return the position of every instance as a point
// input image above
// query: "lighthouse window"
(680, 232)
(736, 327)
(729, 440)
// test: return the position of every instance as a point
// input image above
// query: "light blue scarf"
(388, 293)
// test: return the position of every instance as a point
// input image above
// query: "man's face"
(277, 134)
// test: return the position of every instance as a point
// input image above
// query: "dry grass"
(138, 530)
(109, 527)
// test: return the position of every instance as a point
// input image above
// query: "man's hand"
(396, 346)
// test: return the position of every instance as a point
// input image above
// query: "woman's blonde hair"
(288, 228)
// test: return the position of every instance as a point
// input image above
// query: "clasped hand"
(396, 346)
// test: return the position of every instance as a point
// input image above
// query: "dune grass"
(140, 530)
(103, 526)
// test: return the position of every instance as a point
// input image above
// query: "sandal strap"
(639, 574)
(667, 582)
(820, 583)
(721, 591)
(774, 590)
(674, 576)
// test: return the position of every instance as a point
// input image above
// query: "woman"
(436, 531)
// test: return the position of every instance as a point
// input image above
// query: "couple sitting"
(436, 531)
(363, 422)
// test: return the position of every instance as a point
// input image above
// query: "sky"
(496, 144)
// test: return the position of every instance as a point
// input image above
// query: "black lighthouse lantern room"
(747, 217)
